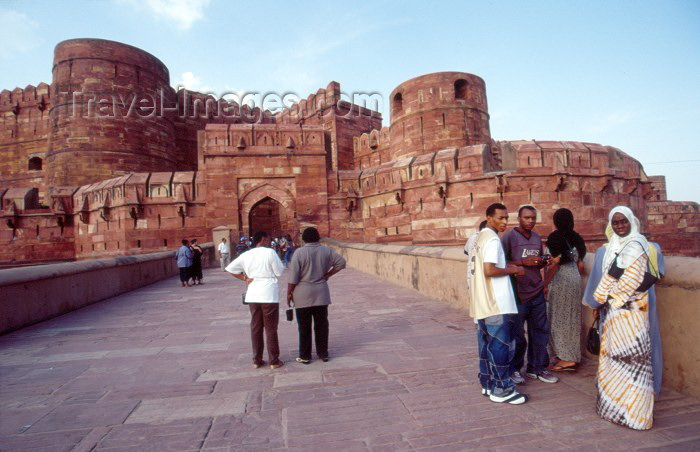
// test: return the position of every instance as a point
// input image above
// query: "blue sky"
(621, 73)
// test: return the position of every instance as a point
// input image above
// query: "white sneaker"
(512, 398)
(485, 392)
(517, 378)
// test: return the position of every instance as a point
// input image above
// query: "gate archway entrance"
(268, 208)
(265, 216)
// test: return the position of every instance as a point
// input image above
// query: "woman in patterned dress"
(624, 378)
(563, 280)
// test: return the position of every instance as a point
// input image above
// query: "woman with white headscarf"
(625, 379)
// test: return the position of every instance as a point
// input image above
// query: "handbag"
(593, 338)
(569, 253)
(649, 278)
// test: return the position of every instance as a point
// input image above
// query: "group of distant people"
(282, 245)
(307, 293)
(189, 262)
(515, 280)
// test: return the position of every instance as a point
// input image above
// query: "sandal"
(560, 368)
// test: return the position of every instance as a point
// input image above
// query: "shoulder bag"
(593, 338)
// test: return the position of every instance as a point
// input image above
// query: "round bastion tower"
(438, 111)
(107, 117)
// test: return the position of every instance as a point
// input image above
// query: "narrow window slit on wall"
(444, 123)
(37, 231)
(118, 245)
(460, 89)
(530, 199)
(158, 221)
(398, 103)
(165, 242)
(138, 243)
(471, 200)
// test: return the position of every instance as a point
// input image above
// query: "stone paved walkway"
(166, 368)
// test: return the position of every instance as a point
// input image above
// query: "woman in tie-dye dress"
(625, 378)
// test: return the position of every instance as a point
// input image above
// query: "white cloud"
(182, 12)
(19, 32)
(192, 82)
(241, 97)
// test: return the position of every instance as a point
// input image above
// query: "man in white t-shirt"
(261, 268)
(469, 248)
(493, 306)
(224, 253)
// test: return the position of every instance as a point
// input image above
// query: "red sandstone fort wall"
(440, 197)
(438, 111)
(247, 164)
(95, 133)
(139, 213)
(23, 137)
(136, 182)
(341, 120)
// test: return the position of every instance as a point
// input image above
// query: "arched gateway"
(268, 208)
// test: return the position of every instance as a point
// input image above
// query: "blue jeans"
(535, 313)
(288, 256)
(496, 347)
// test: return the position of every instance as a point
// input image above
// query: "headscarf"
(626, 249)
(564, 237)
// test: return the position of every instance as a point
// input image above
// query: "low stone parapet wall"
(440, 273)
(29, 295)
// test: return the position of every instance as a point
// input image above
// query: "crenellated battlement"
(19, 100)
(572, 157)
(314, 104)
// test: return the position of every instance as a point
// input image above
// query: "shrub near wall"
(440, 273)
(29, 295)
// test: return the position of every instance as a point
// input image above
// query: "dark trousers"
(264, 316)
(535, 313)
(319, 316)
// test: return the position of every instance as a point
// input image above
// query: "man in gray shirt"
(309, 270)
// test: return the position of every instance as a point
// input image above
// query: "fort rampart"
(111, 160)
(32, 295)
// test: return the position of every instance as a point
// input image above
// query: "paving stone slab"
(174, 408)
(162, 368)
